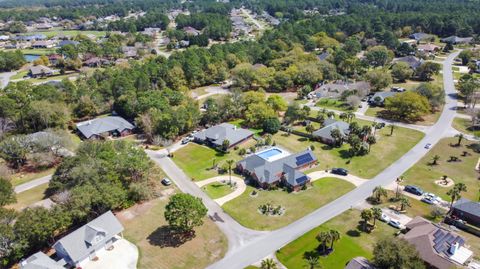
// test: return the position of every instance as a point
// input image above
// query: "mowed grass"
(465, 126)
(216, 190)
(144, 229)
(387, 150)
(197, 160)
(23, 177)
(297, 204)
(423, 174)
(334, 104)
(53, 32)
(353, 242)
(29, 197)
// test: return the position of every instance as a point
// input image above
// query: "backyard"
(423, 174)
(297, 204)
(386, 151)
(353, 242)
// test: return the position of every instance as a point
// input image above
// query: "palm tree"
(350, 116)
(455, 192)
(392, 126)
(378, 192)
(323, 237)
(435, 159)
(404, 202)
(268, 264)
(366, 216)
(334, 236)
(230, 164)
(377, 214)
(310, 128)
(343, 116)
(313, 262)
(370, 141)
(460, 138)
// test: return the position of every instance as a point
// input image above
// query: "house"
(378, 99)
(324, 134)
(215, 135)
(420, 36)
(164, 41)
(457, 40)
(412, 61)
(37, 71)
(468, 211)
(437, 246)
(43, 44)
(129, 51)
(54, 58)
(359, 263)
(191, 31)
(89, 241)
(336, 88)
(323, 56)
(96, 62)
(40, 260)
(275, 166)
(68, 42)
(428, 48)
(43, 26)
(4, 37)
(153, 32)
(106, 126)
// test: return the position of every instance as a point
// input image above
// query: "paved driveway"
(124, 255)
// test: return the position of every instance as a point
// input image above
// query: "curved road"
(255, 250)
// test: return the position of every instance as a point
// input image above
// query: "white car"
(428, 146)
(385, 218)
(430, 198)
(166, 182)
(396, 224)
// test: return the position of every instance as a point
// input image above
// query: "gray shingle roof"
(382, 96)
(102, 125)
(40, 69)
(225, 131)
(80, 242)
(468, 206)
(456, 39)
(412, 61)
(270, 172)
(359, 263)
(420, 36)
(40, 260)
(329, 125)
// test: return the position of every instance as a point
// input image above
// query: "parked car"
(340, 171)
(166, 182)
(430, 198)
(385, 218)
(396, 224)
(428, 146)
(413, 189)
(185, 141)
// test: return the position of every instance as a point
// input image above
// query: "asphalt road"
(32, 184)
(268, 244)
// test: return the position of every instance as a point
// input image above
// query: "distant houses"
(216, 135)
(456, 40)
(102, 127)
(420, 36)
(324, 134)
(277, 167)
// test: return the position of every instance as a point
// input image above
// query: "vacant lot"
(387, 150)
(146, 227)
(197, 160)
(423, 174)
(297, 204)
(353, 242)
(217, 190)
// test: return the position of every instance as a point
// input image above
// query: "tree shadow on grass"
(353, 233)
(165, 236)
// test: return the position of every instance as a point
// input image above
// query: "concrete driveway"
(402, 218)
(124, 255)
(241, 187)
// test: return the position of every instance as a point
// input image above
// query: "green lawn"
(333, 104)
(39, 51)
(73, 33)
(197, 160)
(297, 204)
(465, 126)
(23, 177)
(423, 174)
(353, 242)
(386, 151)
(29, 197)
(216, 190)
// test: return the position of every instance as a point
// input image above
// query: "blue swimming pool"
(269, 153)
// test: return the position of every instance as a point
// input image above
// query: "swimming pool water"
(269, 153)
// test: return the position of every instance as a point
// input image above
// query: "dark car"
(340, 171)
(166, 182)
(413, 189)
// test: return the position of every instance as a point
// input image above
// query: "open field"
(423, 174)
(353, 242)
(216, 190)
(297, 204)
(147, 228)
(387, 150)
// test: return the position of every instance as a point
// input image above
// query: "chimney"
(454, 247)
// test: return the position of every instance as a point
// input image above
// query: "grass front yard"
(334, 104)
(423, 174)
(217, 190)
(146, 227)
(297, 204)
(29, 197)
(353, 242)
(465, 126)
(386, 151)
(197, 160)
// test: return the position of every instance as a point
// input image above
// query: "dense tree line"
(214, 26)
(156, 19)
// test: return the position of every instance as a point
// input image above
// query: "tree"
(271, 125)
(396, 254)
(268, 264)
(14, 150)
(460, 137)
(404, 202)
(230, 165)
(435, 159)
(225, 144)
(465, 56)
(455, 193)
(379, 192)
(392, 127)
(408, 106)
(469, 87)
(366, 215)
(310, 128)
(337, 137)
(334, 237)
(435, 94)
(378, 56)
(377, 214)
(379, 79)
(7, 194)
(401, 71)
(277, 103)
(370, 141)
(427, 70)
(313, 262)
(323, 237)
(184, 212)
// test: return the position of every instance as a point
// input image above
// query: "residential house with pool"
(277, 167)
